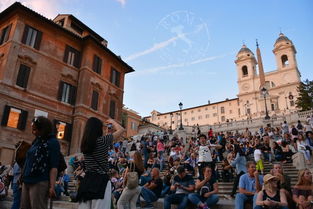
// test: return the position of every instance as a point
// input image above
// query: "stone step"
(56, 205)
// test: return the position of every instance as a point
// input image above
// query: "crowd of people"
(185, 172)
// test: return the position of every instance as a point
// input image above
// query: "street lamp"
(264, 92)
(181, 116)
(171, 132)
(311, 95)
(286, 103)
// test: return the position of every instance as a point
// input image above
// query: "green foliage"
(304, 101)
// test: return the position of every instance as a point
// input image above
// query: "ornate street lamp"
(181, 116)
(264, 92)
(171, 131)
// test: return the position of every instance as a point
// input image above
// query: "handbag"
(132, 177)
(92, 186)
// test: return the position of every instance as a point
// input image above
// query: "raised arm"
(118, 129)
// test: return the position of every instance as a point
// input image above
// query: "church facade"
(274, 92)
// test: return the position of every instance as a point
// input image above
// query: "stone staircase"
(225, 188)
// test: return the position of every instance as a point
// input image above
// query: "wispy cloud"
(154, 48)
(161, 45)
(122, 2)
(43, 7)
(178, 65)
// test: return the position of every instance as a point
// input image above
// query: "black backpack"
(299, 126)
(294, 131)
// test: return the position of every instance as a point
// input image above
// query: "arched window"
(244, 71)
(284, 60)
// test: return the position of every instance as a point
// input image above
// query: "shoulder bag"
(132, 177)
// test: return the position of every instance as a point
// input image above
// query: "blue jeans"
(58, 190)
(179, 199)
(16, 196)
(196, 199)
(165, 190)
(242, 198)
(260, 207)
(149, 196)
(268, 156)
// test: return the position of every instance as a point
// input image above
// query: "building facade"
(279, 85)
(131, 121)
(57, 68)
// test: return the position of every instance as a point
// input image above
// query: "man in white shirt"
(205, 156)
(285, 128)
(258, 159)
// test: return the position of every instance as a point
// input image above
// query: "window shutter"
(118, 76)
(61, 85)
(38, 40)
(26, 76)
(94, 64)
(94, 100)
(99, 65)
(112, 109)
(77, 59)
(54, 128)
(22, 120)
(111, 76)
(25, 34)
(22, 76)
(5, 115)
(73, 95)
(68, 132)
(6, 38)
(67, 49)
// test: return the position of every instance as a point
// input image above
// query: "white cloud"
(158, 46)
(178, 65)
(46, 8)
(122, 2)
(154, 48)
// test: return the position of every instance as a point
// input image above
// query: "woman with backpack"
(41, 166)
(94, 191)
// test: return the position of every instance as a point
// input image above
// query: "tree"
(304, 101)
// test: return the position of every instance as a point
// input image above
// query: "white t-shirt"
(285, 128)
(257, 155)
(205, 154)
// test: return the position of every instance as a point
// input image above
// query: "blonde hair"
(301, 180)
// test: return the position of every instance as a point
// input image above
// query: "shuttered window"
(14, 117)
(67, 93)
(22, 76)
(72, 56)
(4, 35)
(112, 109)
(115, 77)
(32, 37)
(97, 64)
(94, 100)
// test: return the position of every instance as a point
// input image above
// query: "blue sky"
(184, 51)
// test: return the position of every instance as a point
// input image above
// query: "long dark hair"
(43, 125)
(93, 130)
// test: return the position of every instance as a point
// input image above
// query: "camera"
(110, 126)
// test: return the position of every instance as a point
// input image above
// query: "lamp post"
(286, 103)
(311, 95)
(264, 92)
(181, 116)
(171, 132)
